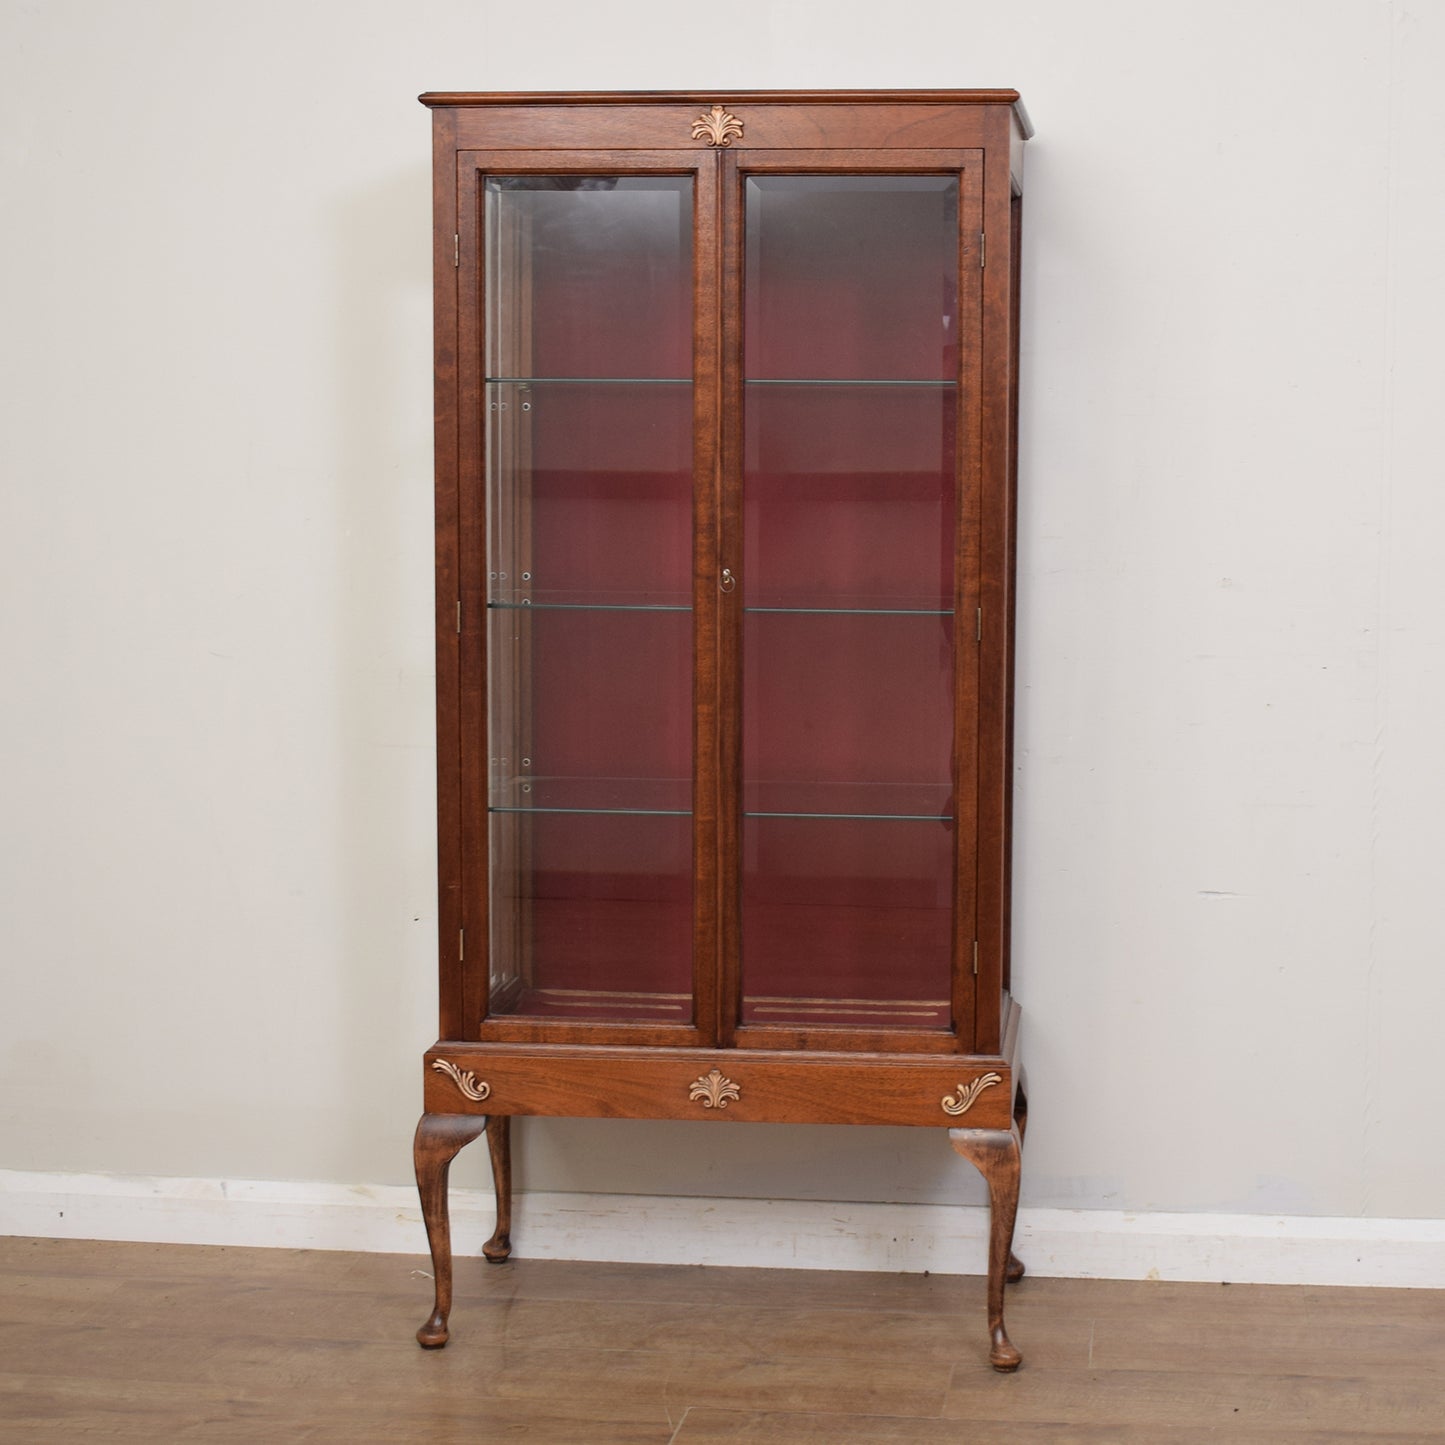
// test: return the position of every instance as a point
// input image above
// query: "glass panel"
(849, 496)
(849, 712)
(849, 521)
(852, 276)
(591, 913)
(847, 922)
(589, 276)
(590, 707)
(591, 499)
(589, 634)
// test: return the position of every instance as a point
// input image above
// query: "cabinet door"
(587, 302)
(853, 515)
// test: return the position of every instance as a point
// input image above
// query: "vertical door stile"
(473, 701)
(729, 554)
(446, 280)
(967, 600)
(707, 621)
(516, 455)
(995, 551)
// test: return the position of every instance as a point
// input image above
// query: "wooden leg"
(439, 1139)
(996, 1155)
(1021, 1119)
(499, 1143)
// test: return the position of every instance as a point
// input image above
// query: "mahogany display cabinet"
(725, 434)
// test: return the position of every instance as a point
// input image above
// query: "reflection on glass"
(588, 428)
(849, 496)
(847, 922)
(852, 276)
(589, 276)
(590, 699)
(591, 495)
(849, 522)
(591, 913)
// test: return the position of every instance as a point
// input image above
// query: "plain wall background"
(216, 902)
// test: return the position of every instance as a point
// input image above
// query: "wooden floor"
(163, 1342)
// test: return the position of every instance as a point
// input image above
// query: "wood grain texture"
(709, 97)
(765, 127)
(772, 119)
(995, 845)
(796, 1072)
(446, 503)
(439, 1138)
(150, 1342)
(653, 1083)
(996, 1154)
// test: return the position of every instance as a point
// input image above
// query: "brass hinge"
(462, 947)
(975, 958)
(982, 250)
(459, 614)
(978, 626)
(456, 250)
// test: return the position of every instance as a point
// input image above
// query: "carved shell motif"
(967, 1096)
(718, 127)
(466, 1080)
(714, 1089)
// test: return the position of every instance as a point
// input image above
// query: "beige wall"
(216, 909)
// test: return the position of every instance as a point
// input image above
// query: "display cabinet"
(725, 429)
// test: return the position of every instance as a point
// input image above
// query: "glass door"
(858, 434)
(589, 452)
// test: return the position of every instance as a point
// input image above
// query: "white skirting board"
(788, 1234)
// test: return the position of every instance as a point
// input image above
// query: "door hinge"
(978, 626)
(982, 250)
(456, 249)
(459, 616)
(462, 947)
(975, 958)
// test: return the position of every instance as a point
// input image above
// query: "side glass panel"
(850, 400)
(589, 419)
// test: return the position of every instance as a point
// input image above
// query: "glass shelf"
(861, 817)
(890, 802)
(639, 797)
(595, 812)
(535, 604)
(527, 604)
(857, 611)
(672, 798)
(589, 381)
(935, 383)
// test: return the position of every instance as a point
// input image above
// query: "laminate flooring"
(166, 1342)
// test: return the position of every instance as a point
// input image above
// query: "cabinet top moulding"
(446, 99)
(769, 120)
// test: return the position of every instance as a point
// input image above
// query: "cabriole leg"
(439, 1139)
(499, 1144)
(996, 1154)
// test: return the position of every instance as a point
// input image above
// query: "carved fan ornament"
(466, 1081)
(717, 128)
(714, 1089)
(967, 1096)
